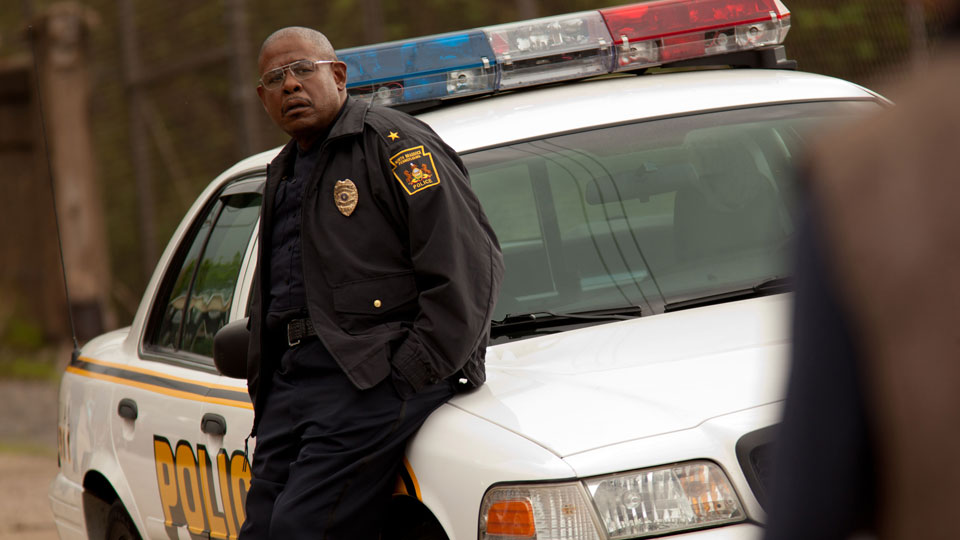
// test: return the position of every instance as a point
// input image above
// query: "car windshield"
(648, 213)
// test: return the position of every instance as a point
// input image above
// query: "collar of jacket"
(350, 120)
(348, 123)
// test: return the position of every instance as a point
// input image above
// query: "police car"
(640, 342)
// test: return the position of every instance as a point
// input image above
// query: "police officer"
(377, 277)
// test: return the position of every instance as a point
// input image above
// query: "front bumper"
(66, 502)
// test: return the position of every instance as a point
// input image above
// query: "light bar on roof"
(435, 67)
(662, 31)
(550, 49)
(564, 47)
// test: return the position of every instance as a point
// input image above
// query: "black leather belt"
(297, 329)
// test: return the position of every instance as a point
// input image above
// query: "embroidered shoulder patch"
(414, 169)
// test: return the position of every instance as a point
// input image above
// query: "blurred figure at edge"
(870, 443)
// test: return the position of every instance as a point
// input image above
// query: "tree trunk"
(62, 38)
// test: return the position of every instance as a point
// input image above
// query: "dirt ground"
(28, 459)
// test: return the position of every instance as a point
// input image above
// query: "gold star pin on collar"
(393, 135)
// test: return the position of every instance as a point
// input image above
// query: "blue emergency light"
(563, 47)
(434, 67)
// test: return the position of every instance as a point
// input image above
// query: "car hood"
(579, 390)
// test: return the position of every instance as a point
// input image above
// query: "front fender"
(456, 456)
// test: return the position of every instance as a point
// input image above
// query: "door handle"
(213, 424)
(127, 408)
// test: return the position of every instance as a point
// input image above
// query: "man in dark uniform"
(377, 278)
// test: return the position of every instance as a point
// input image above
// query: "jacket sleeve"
(456, 258)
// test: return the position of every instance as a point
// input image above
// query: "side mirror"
(230, 349)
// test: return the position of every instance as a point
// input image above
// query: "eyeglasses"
(301, 70)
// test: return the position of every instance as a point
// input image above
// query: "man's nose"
(291, 84)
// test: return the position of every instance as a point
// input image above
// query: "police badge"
(345, 196)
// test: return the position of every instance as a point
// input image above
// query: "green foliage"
(24, 352)
(33, 369)
(39, 363)
(23, 335)
(852, 39)
(28, 449)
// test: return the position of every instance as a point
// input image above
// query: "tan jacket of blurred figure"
(889, 191)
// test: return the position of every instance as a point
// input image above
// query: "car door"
(167, 449)
(227, 418)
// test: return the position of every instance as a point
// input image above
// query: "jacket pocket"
(364, 304)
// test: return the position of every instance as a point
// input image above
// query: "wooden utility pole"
(526, 9)
(62, 36)
(31, 283)
(919, 47)
(140, 151)
(242, 86)
(374, 26)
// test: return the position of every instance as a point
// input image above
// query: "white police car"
(640, 343)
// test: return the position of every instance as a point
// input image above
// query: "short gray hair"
(324, 48)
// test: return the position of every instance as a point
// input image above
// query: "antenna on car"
(31, 36)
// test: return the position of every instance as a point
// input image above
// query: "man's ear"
(340, 74)
(261, 92)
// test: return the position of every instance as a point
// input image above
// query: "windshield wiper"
(527, 323)
(764, 288)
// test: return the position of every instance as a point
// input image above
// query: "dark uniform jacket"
(404, 280)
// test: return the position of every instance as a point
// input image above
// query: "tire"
(119, 524)
(409, 519)
(421, 531)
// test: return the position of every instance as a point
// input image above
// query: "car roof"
(573, 106)
(570, 107)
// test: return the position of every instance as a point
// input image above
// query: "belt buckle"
(290, 330)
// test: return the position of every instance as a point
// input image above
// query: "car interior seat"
(731, 206)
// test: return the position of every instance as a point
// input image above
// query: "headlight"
(635, 504)
(543, 511)
(665, 499)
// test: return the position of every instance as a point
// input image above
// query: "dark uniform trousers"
(327, 454)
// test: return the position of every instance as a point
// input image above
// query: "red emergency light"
(661, 31)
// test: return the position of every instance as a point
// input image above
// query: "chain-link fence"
(173, 100)
(871, 42)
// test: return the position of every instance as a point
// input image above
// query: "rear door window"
(198, 292)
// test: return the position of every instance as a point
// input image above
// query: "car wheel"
(409, 519)
(119, 524)
(423, 531)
